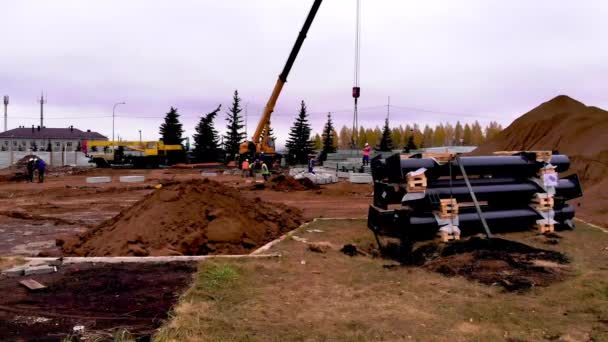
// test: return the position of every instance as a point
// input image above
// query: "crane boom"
(260, 136)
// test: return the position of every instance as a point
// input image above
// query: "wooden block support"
(545, 228)
(448, 208)
(441, 157)
(416, 183)
(543, 156)
(445, 237)
(542, 202)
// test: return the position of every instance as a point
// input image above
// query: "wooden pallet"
(542, 202)
(541, 156)
(448, 208)
(416, 183)
(545, 228)
(441, 157)
(446, 237)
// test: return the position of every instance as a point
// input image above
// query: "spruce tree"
(386, 143)
(328, 139)
(299, 145)
(171, 132)
(411, 145)
(206, 147)
(234, 130)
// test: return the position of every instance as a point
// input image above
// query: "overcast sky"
(438, 60)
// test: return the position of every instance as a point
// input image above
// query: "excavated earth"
(195, 217)
(572, 128)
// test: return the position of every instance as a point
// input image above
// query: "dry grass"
(332, 297)
(8, 262)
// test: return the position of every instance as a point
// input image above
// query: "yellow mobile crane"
(138, 154)
(259, 146)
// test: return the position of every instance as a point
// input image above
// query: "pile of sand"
(572, 128)
(190, 218)
(288, 183)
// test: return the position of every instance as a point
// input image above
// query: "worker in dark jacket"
(40, 166)
(311, 164)
(30, 170)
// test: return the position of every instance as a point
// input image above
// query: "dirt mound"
(572, 128)
(512, 265)
(288, 183)
(196, 217)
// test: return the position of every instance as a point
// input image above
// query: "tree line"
(301, 142)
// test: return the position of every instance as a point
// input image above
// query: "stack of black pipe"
(505, 185)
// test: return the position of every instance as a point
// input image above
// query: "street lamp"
(113, 115)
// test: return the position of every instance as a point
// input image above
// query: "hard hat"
(366, 144)
(246, 160)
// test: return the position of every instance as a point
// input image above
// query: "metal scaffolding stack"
(418, 197)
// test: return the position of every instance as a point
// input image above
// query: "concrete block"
(132, 179)
(42, 269)
(209, 174)
(103, 179)
(16, 271)
(344, 174)
(361, 178)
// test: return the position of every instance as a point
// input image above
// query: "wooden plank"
(445, 237)
(32, 285)
(545, 228)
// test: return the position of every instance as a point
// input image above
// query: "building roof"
(51, 133)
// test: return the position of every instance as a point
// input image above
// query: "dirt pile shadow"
(195, 217)
(514, 266)
(135, 297)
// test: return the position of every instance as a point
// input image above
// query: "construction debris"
(32, 285)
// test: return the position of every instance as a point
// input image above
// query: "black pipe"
(486, 190)
(406, 225)
(397, 166)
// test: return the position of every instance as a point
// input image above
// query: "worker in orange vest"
(366, 151)
(245, 168)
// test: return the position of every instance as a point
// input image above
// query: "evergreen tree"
(477, 138)
(328, 139)
(206, 142)
(427, 136)
(345, 137)
(171, 132)
(439, 136)
(411, 145)
(386, 143)
(234, 130)
(299, 145)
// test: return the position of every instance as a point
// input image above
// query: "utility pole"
(42, 102)
(113, 115)
(140, 136)
(5, 111)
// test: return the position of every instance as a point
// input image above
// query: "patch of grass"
(122, 335)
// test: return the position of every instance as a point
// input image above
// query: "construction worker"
(265, 171)
(366, 151)
(40, 166)
(311, 163)
(245, 168)
(30, 170)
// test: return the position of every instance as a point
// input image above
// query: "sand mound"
(572, 128)
(288, 183)
(189, 218)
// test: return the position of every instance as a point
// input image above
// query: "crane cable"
(356, 89)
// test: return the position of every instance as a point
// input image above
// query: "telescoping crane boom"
(259, 144)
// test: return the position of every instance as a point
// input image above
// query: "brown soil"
(513, 265)
(572, 128)
(187, 218)
(288, 183)
(135, 297)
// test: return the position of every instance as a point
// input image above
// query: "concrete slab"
(102, 179)
(132, 179)
(42, 269)
(361, 178)
(209, 174)
(16, 271)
